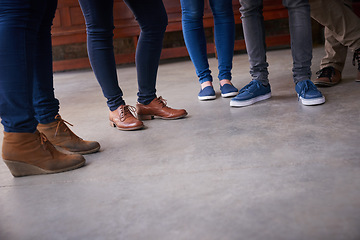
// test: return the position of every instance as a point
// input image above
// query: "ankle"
(225, 81)
(206, 84)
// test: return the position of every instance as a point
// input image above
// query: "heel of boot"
(145, 117)
(19, 169)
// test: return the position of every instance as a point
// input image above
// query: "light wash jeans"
(300, 32)
(194, 36)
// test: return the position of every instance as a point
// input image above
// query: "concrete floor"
(274, 170)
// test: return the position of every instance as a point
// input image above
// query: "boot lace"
(61, 122)
(327, 72)
(44, 141)
(125, 110)
(357, 58)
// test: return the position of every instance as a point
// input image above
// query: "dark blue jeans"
(300, 32)
(152, 18)
(194, 36)
(26, 78)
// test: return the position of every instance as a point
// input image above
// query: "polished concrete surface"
(274, 170)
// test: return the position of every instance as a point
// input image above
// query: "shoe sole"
(234, 103)
(150, 117)
(206, 98)
(325, 84)
(231, 94)
(311, 102)
(19, 169)
(66, 151)
(112, 124)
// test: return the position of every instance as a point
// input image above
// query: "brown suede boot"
(31, 154)
(158, 108)
(61, 136)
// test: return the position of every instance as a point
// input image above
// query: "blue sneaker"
(254, 92)
(228, 90)
(207, 93)
(308, 94)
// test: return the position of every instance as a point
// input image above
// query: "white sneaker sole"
(204, 98)
(234, 103)
(311, 102)
(230, 94)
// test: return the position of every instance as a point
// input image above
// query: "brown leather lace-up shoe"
(31, 154)
(327, 77)
(61, 136)
(158, 108)
(124, 119)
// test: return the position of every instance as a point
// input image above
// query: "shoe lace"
(44, 141)
(307, 86)
(161, 101)
(357, 58)
(61, 122)
(125, 110)
(249, 85)
(326, 72)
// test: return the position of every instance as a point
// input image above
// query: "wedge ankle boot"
(61, 136)
(32, 154)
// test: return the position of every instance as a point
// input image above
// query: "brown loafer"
(157, 107)
(327, 77)
(123, 119)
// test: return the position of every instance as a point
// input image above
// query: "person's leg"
(344, 24)
(25, 151)
(335, 52)
(224, 33)
(301, 49)
(99, 27)
(224, 29)
(45, 104)
(301, 38)
(152, 18)
(333, 62)
(253, 26)
(194, 37)
(254, 34)
(339, 18)
(18, 30)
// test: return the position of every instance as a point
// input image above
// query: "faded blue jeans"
(300, 32)
(26, 77)
(194, 36)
